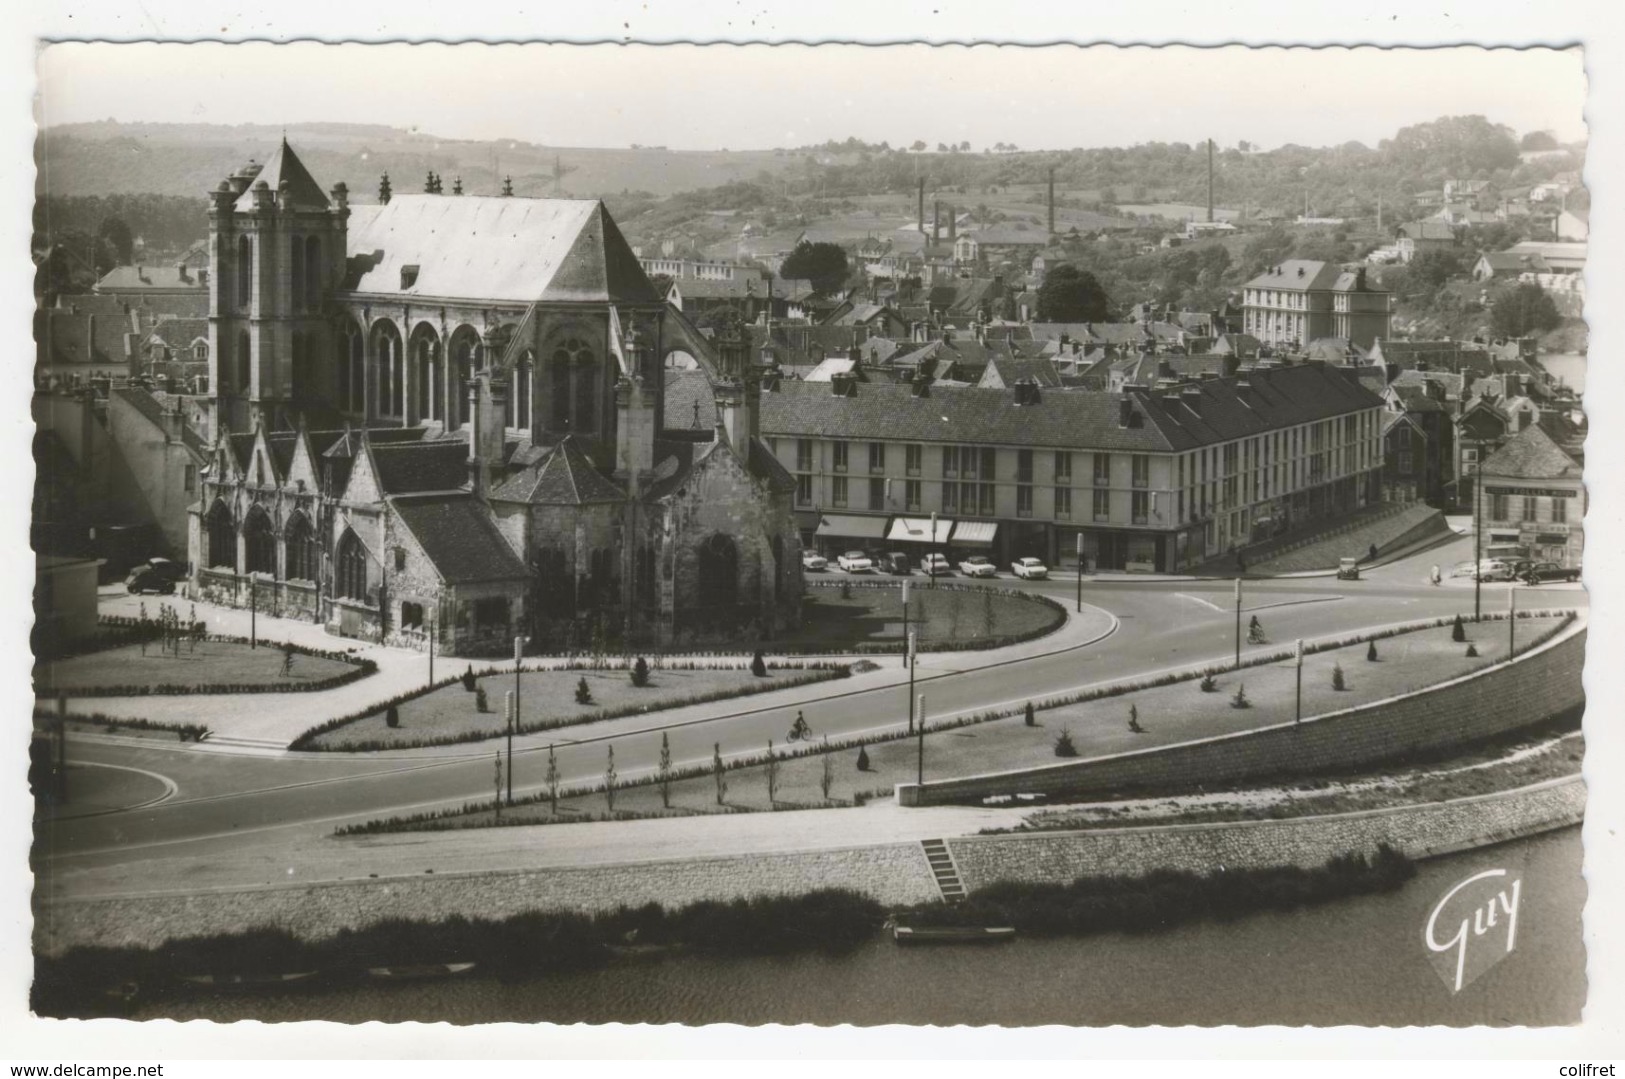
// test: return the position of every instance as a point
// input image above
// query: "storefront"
(838, 532)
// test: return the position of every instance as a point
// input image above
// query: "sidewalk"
(266, 722)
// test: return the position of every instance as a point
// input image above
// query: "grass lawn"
(874, 615)
(548, 698)
(1168, 714)
(209, 663)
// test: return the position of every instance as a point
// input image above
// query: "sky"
(759, 97)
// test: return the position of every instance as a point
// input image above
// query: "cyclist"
(1255, 631)
(799, 730)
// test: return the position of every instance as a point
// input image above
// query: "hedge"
(187, 732)
(360, 668)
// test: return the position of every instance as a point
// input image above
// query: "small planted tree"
(583, 691)
(1337, 677)
(827, 779)
(1472, 651)
(468, 679)
(863, 759)
(665, 770)
(392, 717)
(553, 780)
(758, 666)
(610, 776)
(772, 774)
(1209, 683)
(846, 589)
(1064, 746)
(987, 612)
(1371, 651)
(640, 672)
(1027, 716)
(480, 703)
(1458, 632)
(717, 772)
(1240, 699)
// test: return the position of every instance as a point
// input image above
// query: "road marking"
(1209, 604)
(170, 789)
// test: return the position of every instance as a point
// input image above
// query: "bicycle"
(800, 730)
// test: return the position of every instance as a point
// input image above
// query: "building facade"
(1534, 500)
(1291, 304)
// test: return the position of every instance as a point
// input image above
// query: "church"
(441, 416)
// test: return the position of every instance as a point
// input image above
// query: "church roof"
(408, 467)
(457, 534)
(489, 248)
(303, 189)
(565, 477)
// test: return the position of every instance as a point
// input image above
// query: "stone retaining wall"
(1419, 831)
(1538, 684)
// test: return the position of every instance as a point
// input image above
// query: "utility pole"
(1298, 714)
(919, 773)
(910, 654)
(511, 708)
(513, 711)
(908, 635)
(933, 548)
(1478, 532)
(1238, 624)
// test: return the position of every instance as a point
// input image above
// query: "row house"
(1534, 500)
(1149, 479)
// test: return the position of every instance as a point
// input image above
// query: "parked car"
(1348, 569)
(1551, 571)
(812, 560)
(1463, 569)
(855, 562)
(896, 563)
(1493, 569)
(144, 579)
(936, 565)
(1029, 569)
(163, 567)
(978, 566)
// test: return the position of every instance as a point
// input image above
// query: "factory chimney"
(1052, 201)
(922, 206)
(1210, 181)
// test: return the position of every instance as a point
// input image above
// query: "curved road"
(227, 800)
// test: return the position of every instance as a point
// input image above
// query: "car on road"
(1029, 569)
(896, 563)
(1551, 571)
(1348, 569)
(144, 579)
(936, 565)
(1493, 569)
(978, 566)
(855, 562)
(1463, 569)
(165, 568)
(813, 561)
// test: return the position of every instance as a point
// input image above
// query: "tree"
(863, 759)
(1458, 632)
(583, 691)
(1429, 270)
(1064, 746)
(717, 771)
(116, 235)
(1027, 715)
(942, 148)
(758, 666)
(824, 264)
(392, 717)
(919, 146)
(965, 146)
(1371, 651)
(1452, 146)
(610, 776)
(665, 769)
(827, 779)
(1071, 295)
(553, 780)
(468, 679)
(1337, 677)
(1523, 309)
(481, 703)
(1538, 140)
(640, 672)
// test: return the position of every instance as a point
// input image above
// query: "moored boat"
(248, 981)
(953, 934)
(419, 971)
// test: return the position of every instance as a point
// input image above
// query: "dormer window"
(409, 276)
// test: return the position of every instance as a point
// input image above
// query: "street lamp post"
(1080, 572)
(1238, 623)
(1478, 531)
(1512, 617)
(1298, 713)
(909, 652)
(513, 713)
(253, 610)
(431, 647)
(919, 773)
(933, 548)
(908, 636)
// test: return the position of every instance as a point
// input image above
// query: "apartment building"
(1300, 300)
(1534, 500)
(1149, 479)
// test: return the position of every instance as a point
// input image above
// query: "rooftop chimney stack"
(383, 190)
(922, 205)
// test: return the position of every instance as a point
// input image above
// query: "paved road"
(289, 802)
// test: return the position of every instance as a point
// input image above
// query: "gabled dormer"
(362, 486)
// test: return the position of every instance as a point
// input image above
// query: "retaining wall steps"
(944, 870)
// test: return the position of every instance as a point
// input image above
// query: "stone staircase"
(943, 868)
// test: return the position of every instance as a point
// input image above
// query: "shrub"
(863, 759)
(758, 666)
(1337, 678)
(1064, 746)
(480, 702)
(468, 679)
(1458, 632)
(392, 717)
(1472, 651)
(1027, 715)
(1209, 683)
(583, 691)
(640, 673)
(1371, 652)
(846, 589)
(1240, 699)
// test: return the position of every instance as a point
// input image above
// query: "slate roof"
(565, 477)
(152, 407)
(180, 332)
(1275, 398)
(1431, 229)
(498, 248)
(1011, 370)
(303, 189)
(689, 401)
(1445, 355)
(409, 467)
(1531, 454)
(150, 278)
(457, 534)
(1415, 399)
(1295, 275)
(1516, 262)
(63, 334)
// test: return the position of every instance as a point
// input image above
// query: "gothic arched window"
(259, 543)
(719, 570)
(222, 537)
(303, 553)
(523, 378)
(313, 272)
(350, 568)
(574, 386)
(296, 266)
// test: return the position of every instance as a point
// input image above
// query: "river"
(1356, 961)
(1569, 366)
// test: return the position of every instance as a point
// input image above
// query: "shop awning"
(976, 532)
(918, 530)
(851, 526)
